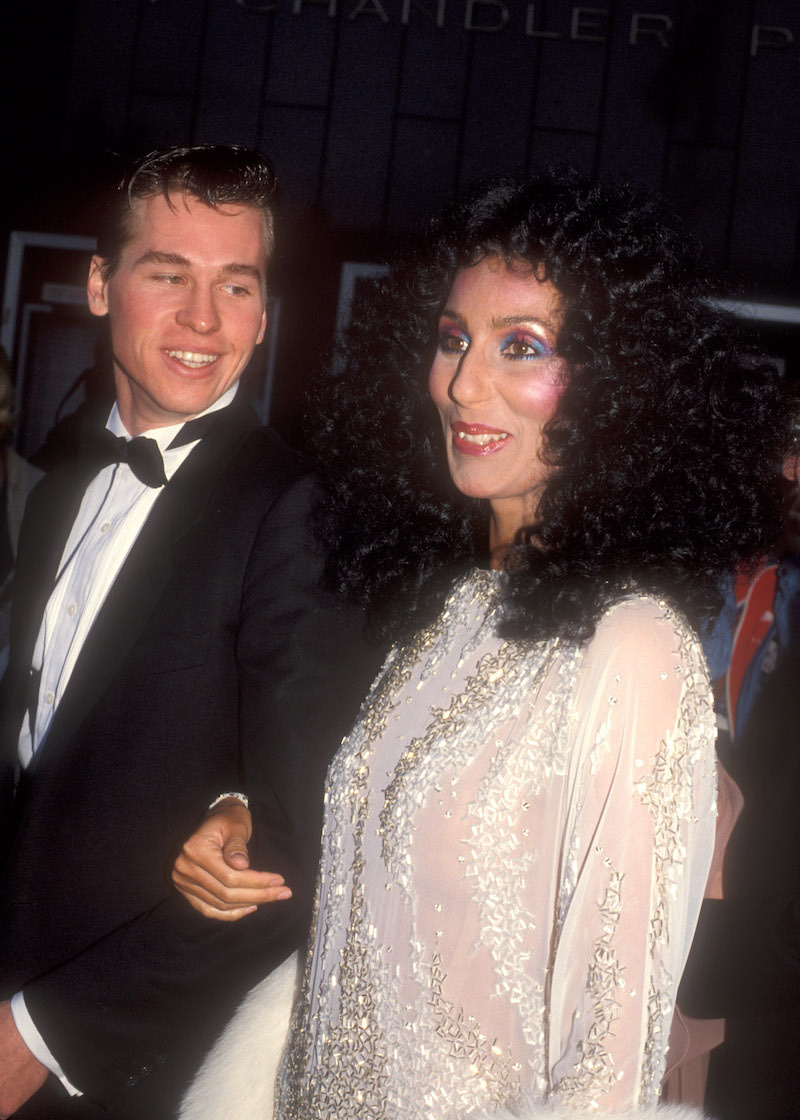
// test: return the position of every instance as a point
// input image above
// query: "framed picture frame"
(47, 330)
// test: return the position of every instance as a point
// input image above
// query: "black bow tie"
(143, 454)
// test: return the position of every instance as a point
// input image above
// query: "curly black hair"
(665, 448)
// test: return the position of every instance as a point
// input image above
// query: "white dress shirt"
(114, 509)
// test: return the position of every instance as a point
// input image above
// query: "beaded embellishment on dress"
(516, 840)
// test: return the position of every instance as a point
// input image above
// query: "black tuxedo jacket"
(744, 964)
(216, 663)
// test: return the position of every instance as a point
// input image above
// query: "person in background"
(170, 642)
(745, 961)
(545, 451)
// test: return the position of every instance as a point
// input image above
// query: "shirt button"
(71, 610)
(49, 698)
(105, 527)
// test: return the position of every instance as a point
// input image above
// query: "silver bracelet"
(238, 796)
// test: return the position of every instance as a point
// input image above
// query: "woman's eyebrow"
(518, 320)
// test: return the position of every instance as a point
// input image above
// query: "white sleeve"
(36, 1044)
(635, 855)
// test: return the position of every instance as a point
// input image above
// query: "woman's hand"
(213, 869)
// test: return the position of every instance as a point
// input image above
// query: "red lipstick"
(478, 439)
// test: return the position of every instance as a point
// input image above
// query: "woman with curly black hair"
(544, 453)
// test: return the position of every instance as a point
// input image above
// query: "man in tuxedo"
(170, 642)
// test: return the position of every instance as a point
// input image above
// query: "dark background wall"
(375, 112)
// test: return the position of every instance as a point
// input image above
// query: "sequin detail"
(508, 844)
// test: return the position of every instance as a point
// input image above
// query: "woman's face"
(496, 382)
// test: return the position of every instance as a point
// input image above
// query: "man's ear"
(96, 287)
(263, 329)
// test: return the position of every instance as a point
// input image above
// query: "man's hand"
(20, 1073)
(213, 873)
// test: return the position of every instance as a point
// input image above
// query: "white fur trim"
(237, 1079)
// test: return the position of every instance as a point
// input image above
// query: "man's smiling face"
(186, 304)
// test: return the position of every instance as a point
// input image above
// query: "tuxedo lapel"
(145, 574)
(51, 512)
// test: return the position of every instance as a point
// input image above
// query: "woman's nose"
(471, 383)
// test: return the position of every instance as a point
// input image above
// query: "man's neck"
(125, 424)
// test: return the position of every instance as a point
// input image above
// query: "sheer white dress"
(516, 842)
